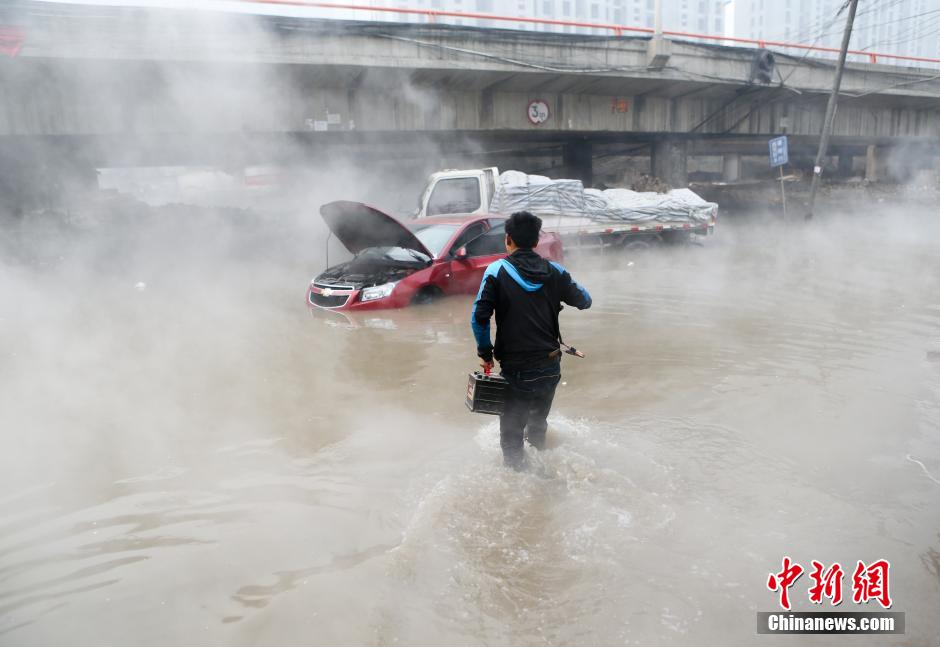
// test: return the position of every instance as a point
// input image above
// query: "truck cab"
(454, 191)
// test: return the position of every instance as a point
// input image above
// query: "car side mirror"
(461, 254)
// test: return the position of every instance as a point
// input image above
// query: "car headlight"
(377, 292)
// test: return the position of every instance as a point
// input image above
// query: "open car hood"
(359, 226)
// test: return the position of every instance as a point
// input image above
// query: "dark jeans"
(528, 402)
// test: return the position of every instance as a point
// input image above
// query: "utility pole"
(658, 19)
(831, 109)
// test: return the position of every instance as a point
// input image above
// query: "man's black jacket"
(526, 292)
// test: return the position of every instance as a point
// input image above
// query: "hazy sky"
(226, 5)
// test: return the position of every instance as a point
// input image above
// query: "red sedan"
(397, 264)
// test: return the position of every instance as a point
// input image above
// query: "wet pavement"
(202, 461)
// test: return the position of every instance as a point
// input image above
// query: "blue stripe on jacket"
(584, 293)
(482, 331)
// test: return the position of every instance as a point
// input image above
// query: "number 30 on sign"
(538, 112)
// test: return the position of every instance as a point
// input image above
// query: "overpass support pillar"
(845, 164)
(578, 158)
(876, 163)
(731, 167)
(670, 162)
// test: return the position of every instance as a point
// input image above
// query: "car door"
(486, 248)
(456, 271)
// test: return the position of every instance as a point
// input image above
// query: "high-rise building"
(697, 16)
(694, 16)
(906, 27)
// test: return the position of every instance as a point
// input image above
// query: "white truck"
(582, 217)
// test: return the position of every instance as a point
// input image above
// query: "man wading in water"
(526, 292)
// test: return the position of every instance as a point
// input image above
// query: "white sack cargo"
(679, 204)
(536, 193)
(569, 201)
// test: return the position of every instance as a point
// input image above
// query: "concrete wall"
(44, 97)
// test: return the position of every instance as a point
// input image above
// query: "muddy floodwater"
(189, 457)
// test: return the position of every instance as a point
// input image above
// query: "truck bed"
(567, 226)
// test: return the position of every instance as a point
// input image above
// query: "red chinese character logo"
(871, 583)
(828, 584)
(784, 580)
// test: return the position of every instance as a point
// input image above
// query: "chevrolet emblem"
(327, 292)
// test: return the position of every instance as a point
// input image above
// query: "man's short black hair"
(524, 227)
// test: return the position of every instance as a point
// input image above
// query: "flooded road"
(200, 461)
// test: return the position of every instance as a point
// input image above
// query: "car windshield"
(434, 237)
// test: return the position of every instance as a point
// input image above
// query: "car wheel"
(425, 295)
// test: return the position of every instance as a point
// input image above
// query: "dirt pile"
(650, 183)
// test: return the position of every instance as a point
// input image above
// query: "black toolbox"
(486, 393)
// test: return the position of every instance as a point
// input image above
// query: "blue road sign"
(779, 155)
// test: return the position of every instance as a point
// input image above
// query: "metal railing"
(618, 30)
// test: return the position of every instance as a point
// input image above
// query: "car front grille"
(325, 286)
(332, 301)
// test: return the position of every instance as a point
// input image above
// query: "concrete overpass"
(96, 86)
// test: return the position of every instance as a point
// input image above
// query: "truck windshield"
(455, 195)
(434, 237)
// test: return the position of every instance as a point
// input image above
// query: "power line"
(892, 86)
(820, 27)
(915, 32)
(906, 18)
(783, 81)
(823, 28)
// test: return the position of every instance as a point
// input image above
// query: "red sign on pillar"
(11, 40)
(618, 105)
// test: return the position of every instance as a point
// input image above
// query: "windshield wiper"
(420, 256)
(415, 254)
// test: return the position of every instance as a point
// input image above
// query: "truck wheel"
(640, 244)
(636, 245)
(425, 295)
